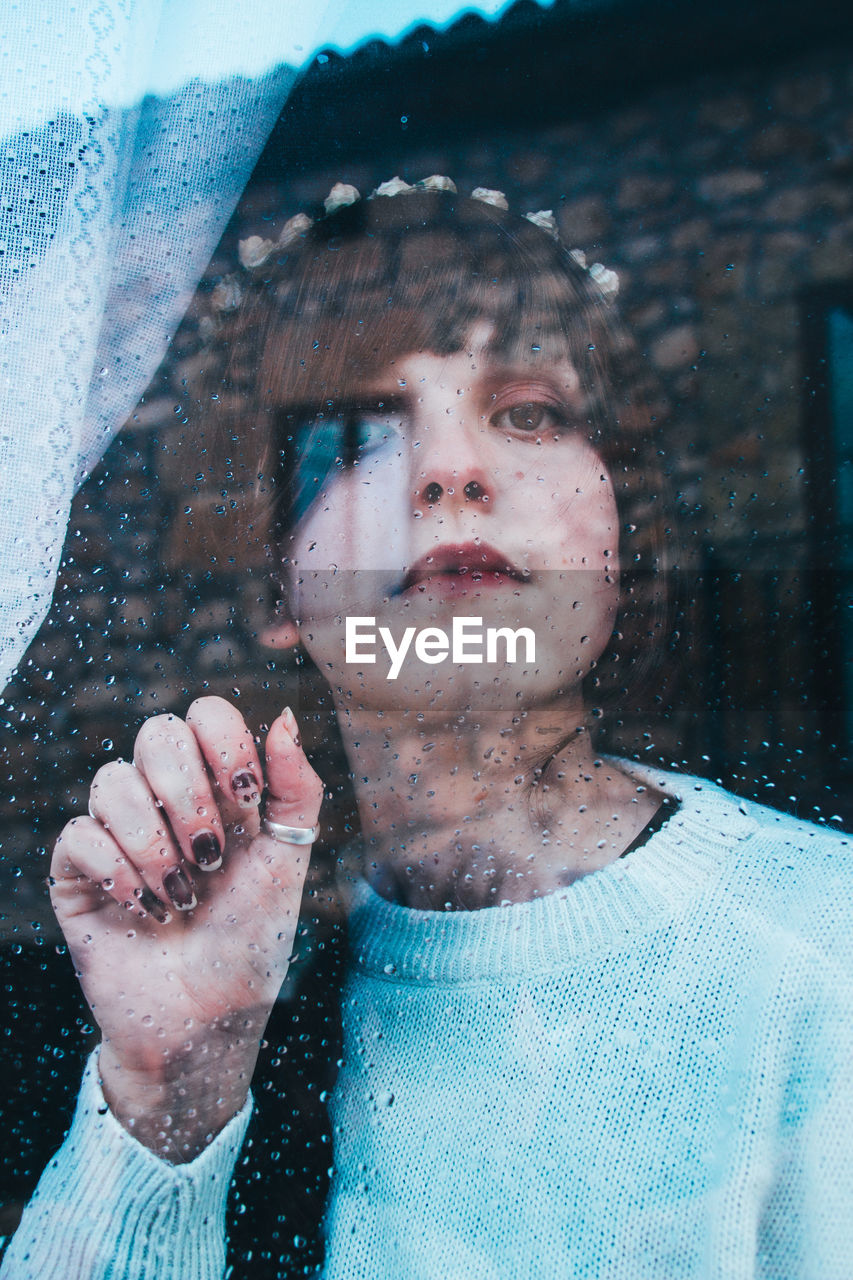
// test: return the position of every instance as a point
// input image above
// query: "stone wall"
(718, 202)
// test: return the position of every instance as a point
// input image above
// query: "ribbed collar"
(598, 912)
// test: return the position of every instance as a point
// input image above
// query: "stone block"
(800, 94)
(730, 185)
(832, 258)
(694, 233)
(565, 137)
(667, 273)
(785, 140)
(632, 121)
(834, 197)
(701, 153)
(647, 316)
(528, 165)
(640, 190)
(220, 654)
(209, 533)
(583, 222)
(685, 386)
(724, 267)
(745, 449)
(788, 243)
(727, 113)
(777, 323)
(101, 734)
(153, 413)
(643, 249)
(675, 349)
(189, 372)
(137, 614)
(779, 264)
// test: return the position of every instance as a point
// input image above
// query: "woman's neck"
(461, 815)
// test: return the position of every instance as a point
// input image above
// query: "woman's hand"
(180, 913)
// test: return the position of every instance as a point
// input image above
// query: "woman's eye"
(529, 417)
(371, 430)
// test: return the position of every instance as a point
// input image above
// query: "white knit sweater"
(645, 1076)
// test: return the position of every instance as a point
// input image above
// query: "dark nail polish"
(206, 850)
(245, 787)
(179, 888)
(150, 903)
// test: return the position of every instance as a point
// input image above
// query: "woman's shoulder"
(759, 827)
(784, 874)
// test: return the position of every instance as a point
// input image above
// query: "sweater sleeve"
(106, 1206)
(806, 1230)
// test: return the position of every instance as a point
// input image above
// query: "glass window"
(483, 538)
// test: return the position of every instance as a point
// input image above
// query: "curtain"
(128, 129)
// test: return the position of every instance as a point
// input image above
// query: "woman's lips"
(456, 569)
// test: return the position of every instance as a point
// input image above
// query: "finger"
(167, 755)
(121, 800)
(294, 796)
(294, 792)
(87, 865)
(231, 755)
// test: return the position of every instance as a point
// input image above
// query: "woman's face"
(475, 494)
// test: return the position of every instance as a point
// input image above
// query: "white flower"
(544, 219)
(496, 198)
(293, 229)
(395, 187)
(606, 279)
(227, 295)
(342, 193)
(579, 257)
(254, 251)
(436, 182)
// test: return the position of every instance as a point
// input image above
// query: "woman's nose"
(451, 470)
(472, 491)
(450, 456)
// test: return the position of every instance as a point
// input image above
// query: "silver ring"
(290, 835)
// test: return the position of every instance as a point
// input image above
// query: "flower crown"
(255, 251)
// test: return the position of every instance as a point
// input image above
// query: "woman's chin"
(457, 695)
(457, 655)
(461, 588)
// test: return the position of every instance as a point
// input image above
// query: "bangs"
(396, 276)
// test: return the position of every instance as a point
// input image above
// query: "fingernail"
(245, 787)
(206, 850)
(292, 727)
(150, 903)
(179, 888)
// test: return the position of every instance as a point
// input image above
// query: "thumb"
(294, 792)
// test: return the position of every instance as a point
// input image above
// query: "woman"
(597, 1021)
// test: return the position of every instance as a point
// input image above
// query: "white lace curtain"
(128, 129)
